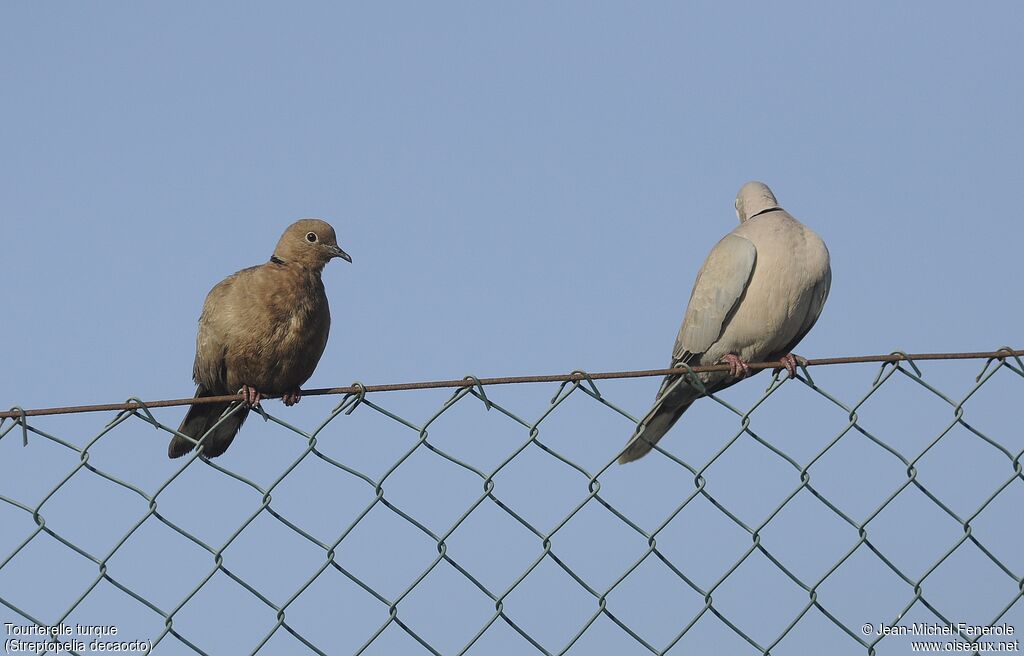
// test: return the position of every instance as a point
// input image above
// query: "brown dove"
(262, 332)
(759, 292)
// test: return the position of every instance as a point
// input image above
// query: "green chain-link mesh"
(589, 484)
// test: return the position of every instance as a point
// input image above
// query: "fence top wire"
(473, 381)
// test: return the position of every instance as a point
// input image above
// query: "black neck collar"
(276, 260)
(765, 211)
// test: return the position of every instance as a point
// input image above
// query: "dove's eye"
(311, 237)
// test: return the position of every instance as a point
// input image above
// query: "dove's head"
(754, 198)
(310, 243)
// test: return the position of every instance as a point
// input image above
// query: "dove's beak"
(337, 252)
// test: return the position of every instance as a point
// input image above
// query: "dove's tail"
(203, 418)
(674, 397)
(657, 422)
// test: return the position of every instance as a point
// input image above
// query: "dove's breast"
(274, 327)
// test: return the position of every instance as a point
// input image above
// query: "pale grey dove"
(760, 290)
(262, 331)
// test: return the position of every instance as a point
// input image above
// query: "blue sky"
(524, 188)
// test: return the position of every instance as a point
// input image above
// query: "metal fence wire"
(371, 613)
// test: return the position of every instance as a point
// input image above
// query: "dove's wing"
(719, 290)
(721, 284)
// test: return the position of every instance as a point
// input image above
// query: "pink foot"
(292, 398)
(250, 395)
(737, 368)
(788, 363)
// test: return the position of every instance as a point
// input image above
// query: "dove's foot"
(737, 367)
(292, 398)
(789, 363)
(250, 395)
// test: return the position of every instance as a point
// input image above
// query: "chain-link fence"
(808, 517)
